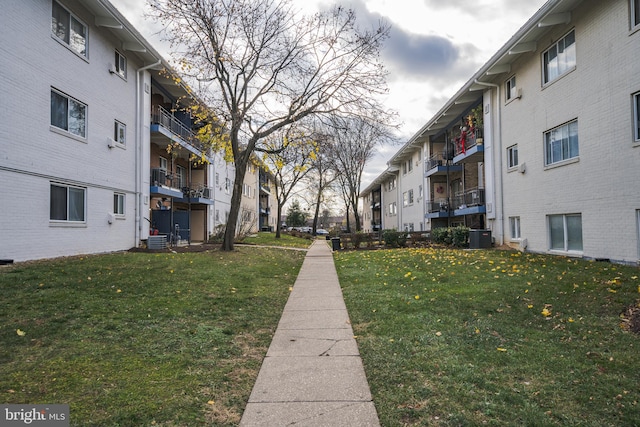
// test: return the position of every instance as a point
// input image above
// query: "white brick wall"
(601, 185)
(32, 155)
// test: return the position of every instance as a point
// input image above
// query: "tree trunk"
(234, 210)
(278, 220)
(317, 213)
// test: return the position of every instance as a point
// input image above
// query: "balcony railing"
(472, 197)
(439, 205)
(200, 191)
(434, 161)
(164, 118)
(471, 141)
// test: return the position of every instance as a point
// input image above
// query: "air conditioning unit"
(111, 142)
(522, 167)
(523, 245)
(110, 218)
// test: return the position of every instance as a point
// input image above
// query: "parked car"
(321, 232)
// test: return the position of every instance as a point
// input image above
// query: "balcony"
(472, 201)
(165, 123)
(163, 184)
(437, 165)
(438, 208)
(472, 150)
(198, 194)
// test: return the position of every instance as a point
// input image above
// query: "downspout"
(500, 215)
(138, 153)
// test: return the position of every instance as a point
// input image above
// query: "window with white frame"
(512, 156)
(393, 208)
(164, 164)
(635, 14)
(405, 199)
(561, 143)
(69, 29)
(118, 204)
(121, 65)
(514, 226)
(410, 164)
(511, 91)
(410, 196)
(636, 116)
(68, 114)
(391, 184)
(565, 232)
(227, 185)
(119, 132)
(559, 58)
(67, 203)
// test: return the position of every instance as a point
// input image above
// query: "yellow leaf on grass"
(501, 349)
(545, 312)
(20, 332)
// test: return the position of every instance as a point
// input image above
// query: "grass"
(466, 338)
(285, 240)
(134, 339)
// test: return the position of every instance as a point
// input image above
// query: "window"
(67, 203)
(118, 204)
(635, 14)
(411, 196)
(565, 232)
(560, 58)
(391, 184)
(512, 156)
(163, 164)
(121, 65)
(511, 91)
(246, 190)
(68, 29)
(181, 177)
(514, 225)
(227, 185)
(561, 143)
(636, 116)
(68, 114)
(393, 209)
(410, 164)
(119, 132)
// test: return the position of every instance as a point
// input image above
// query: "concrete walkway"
(312, 374)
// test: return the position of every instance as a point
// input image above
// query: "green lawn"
(466, 338)
(134, 339)
(285, 240)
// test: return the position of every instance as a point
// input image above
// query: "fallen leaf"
(20, 332)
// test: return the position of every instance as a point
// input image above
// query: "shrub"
(460, 236)
(441, 235)
(357, 238)
(456, 236)
(394, 238)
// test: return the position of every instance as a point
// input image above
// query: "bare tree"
(290, 161)
(322, 176)
(265, 66)
(354, 144)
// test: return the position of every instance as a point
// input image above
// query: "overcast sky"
(434, 48)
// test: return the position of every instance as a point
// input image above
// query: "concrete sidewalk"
(312, 374)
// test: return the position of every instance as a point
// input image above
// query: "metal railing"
(469, 198)
(439, 205)
(164, 118)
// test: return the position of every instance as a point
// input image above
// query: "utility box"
(479, 239)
